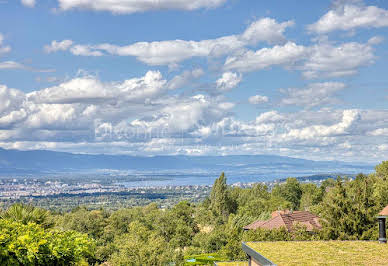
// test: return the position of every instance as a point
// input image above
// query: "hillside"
(40, 161)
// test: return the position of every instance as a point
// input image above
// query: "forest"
(150, 235)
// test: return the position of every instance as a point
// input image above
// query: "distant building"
(288, 219)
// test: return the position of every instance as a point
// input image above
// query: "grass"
(233, 263)
(204, 259)
(323, 252)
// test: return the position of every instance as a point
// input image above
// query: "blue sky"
(297, 78)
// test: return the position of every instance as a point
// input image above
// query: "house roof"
(384, 212)
(288, 220)
(319, 252)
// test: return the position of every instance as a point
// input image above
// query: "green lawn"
(323, 252)
(203, 259)
(233, 263)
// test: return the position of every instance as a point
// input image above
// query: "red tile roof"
(289, 220)
(384, 212)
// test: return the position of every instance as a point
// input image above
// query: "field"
(323, 252)
(203, 259)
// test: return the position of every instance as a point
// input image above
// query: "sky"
(297, 78)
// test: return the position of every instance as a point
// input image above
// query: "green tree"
(142, 246)
(31, 244)
(28, 214)
(311, 195)
(349, 209)
(381, 184)
(382, 170)
(290, 191)
(220, 201)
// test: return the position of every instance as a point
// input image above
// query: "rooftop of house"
(321, 252)
(384, 212)
(288, 219)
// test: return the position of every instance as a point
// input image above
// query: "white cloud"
(348, 118)
(143, 116)
(133, 6)
(316, 94)
(266, 30)
(271, 116)
(185, 115)
(327, 60)
(383, 147)
(349, 16)
(91, 90)
(228, 81)
(11, 108)
(85, 50)
(285, 55)
(11, 65)
(28, 3)
(17, 65)
(58, 46)
(185, 78)
(379, 132)
(321, 60)
(172, 52)
(257, 99)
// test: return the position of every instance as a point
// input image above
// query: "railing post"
(382, 230)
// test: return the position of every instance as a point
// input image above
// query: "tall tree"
(349, 209)
(290, 191)
(220, 201)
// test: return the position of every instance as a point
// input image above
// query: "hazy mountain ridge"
(36, 161)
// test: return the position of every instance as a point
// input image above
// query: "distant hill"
(42, 161)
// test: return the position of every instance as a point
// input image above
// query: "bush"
(31, 244)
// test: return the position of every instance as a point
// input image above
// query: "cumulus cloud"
(144, 116)
(133, 6)
(185, 78)
(286, 55)
(176, 124)
(91, 90)
(257, 99)
(11, 108)
(379, 132)
(228, 81)
(348, 118)
(327, 60)
(316, 94)
(322, 60)
(172, 52)
(28, 3)
(266, 30)
(85, 50)
(349, 15)
(58, 46)
(383, 147)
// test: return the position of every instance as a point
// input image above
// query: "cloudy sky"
(299, 78)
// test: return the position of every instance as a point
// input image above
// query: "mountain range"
(44, 161)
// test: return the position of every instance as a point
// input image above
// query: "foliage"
(150, 235)
(220, 201)
(349, 209)
(31, 244)
(27, 214)
(290, 191)
(141, 246)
